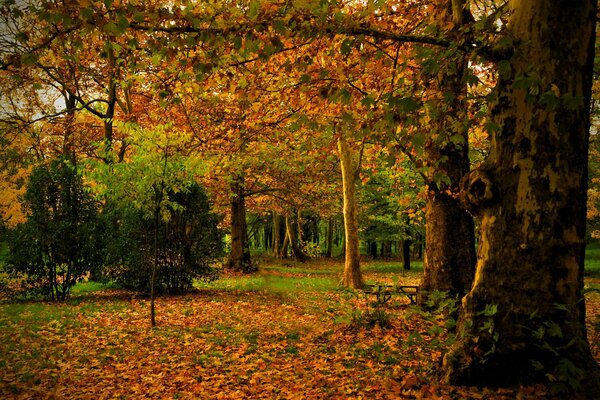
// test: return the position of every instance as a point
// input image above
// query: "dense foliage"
(62, 238)
(188, 242)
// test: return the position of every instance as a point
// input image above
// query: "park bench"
(384, 292)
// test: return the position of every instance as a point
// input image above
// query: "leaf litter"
(231, 344)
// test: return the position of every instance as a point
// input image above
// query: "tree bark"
(284, 247)
(406, 253)
(276, 235)
(524, 318)
(352, 273)
(300, 256)
(239, 258)
(329, 237)
(449, 263)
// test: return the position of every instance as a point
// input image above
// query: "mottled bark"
(531, 194)
(352, 273)
(449, 262)
(239, 258)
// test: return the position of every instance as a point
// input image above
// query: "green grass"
(392, 267)
(592, 260)
(290, 268)
(288, 277)
(36, 314)
(270, 283)
(84, 288)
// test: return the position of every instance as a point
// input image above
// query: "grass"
(592, 260)
(291, 276)
(90, 287)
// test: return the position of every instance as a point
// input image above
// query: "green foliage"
(394, 203)
(369, 318)
(592, 260)
(554, 358)
(189, 242)
(152, 201)
(62, 239)
(438, 314)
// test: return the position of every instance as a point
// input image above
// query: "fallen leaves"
(224, 345)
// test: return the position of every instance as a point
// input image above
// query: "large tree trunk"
(239, 258)
(449, 262)
(352, 273)
(523, 320)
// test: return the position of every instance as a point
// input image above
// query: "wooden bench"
(384, 292)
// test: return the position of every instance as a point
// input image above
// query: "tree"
(239, 257)
(450, 239)
(154, 172)
(393, 195)
(350, 170)
(62, 238)
(524, 318)
(189, 242)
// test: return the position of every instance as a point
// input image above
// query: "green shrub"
(62, 238)
(188, 244)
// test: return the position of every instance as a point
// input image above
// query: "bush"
(61, 240)
(188, 244)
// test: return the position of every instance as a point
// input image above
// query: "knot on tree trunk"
(477, 191)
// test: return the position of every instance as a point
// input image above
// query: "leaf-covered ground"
(286, 333)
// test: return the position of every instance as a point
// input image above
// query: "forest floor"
(288, 332)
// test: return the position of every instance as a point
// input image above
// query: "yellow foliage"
(11, 189)
(593, 209)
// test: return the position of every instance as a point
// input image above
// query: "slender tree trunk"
(268, 235)
(352, 273)
(277, 242)
(449, 263)
(406, 253)
(524, 318)
(373, 249)
(285, 245)
(301, 233)
(154, 264)
(239, 258)
(300, 256)
(329, 237)
(69, 151)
